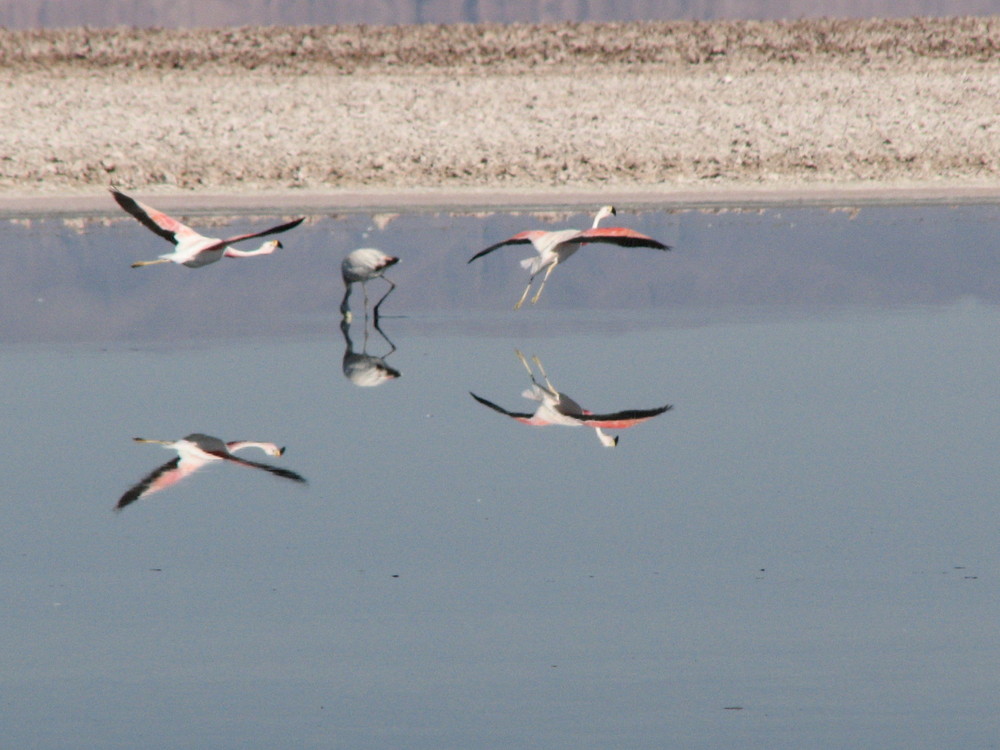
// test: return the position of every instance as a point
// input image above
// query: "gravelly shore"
(638, 106)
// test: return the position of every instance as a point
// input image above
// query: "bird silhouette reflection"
(555, 408)
(364, 369)
(195, 451)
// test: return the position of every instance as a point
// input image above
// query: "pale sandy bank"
(486, 114)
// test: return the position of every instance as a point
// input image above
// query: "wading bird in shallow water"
(363, 265)
(555, 247)
(191, 248)
(557, 408)
(195, 451)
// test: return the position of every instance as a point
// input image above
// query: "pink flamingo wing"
(169, 223)
(160, 478)
(273, 230)
(623, 419)
(276, 470)
(621, 236)
(614, 424)
(522, 238)
(156, 221)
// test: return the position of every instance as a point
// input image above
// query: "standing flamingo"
(363, 265)
(554, 247)
(193, 249)
(193, 452)
(557, 408)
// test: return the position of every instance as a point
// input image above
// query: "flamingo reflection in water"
(192, 249)
(555, 247)
(364, 369)
(195, 451)
(557, 408)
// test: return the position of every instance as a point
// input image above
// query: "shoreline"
(478, 117)
(96, 202)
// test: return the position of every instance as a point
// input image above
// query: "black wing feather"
(491, 248)
(619, 241)
(272, 230)
(623, 416)
(284, 473)
(139, 489)
(494, 407)
(137, 212)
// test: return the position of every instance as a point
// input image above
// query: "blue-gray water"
(802, 552)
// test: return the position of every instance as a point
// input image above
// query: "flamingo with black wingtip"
(555, 247)
(195, 451)
(193, 249)
(557, 408)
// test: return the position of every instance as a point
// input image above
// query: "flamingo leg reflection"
(548, 387)
(361, 368)
(375, 312)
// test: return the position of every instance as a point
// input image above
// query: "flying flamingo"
(554, 247)
(557, 408)
(193, 249)
(193, 452)
(363, 265)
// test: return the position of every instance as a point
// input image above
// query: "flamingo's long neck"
(604, 212)
(266, 249)
(269, 448)
(164, 443)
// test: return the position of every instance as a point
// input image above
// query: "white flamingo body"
(197, 251)
(191, 248)
(552, 247)
(195, 451)
(555, 247)
(361, 266)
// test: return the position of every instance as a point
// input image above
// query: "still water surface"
(800, 552)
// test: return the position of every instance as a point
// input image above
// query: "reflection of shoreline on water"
(195, 451)
(363, 369)
(556, 408)
(766, 463)
(77, 284)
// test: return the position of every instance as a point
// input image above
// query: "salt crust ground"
(689, 113)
